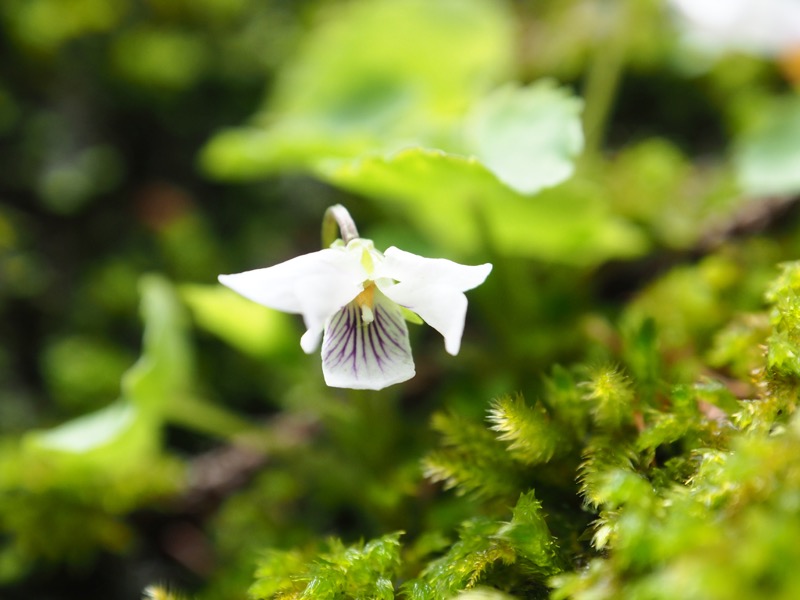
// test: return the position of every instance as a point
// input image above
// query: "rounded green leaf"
(528, 136)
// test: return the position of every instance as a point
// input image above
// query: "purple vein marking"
(335, 331)
(363, 348)
(372, 336)
(390, 335)
(341, 334)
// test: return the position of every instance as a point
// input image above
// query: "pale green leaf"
(161, 383)
(155, 387)
(352, 88)
(111, 437)
(437, 58)
(245, 153)
(247, 326)
(528, 136)
(460, 204)
(90, 431)
(164, 369)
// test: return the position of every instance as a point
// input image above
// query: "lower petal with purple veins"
(361, 355)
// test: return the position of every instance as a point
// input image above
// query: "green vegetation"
(620, 422)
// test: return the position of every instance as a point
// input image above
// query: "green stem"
(505, 324)
(602, 80)
(206, 417)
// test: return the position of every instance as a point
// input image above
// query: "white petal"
(404, 267)
(309, 341)
(369, 356)
(315, 285)
(433, 288)
(443, 308)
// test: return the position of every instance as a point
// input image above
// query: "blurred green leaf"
(244, 153)
(767, 156)
(410, 88)
(528, 137)
(112, 437)
(63, 498)
(458, 203)
(44, 25)
(245, 325)
(130, 428)
(65, 186)
(391, 123)
(164, 370)
(162, 382)
(167, 59)
(206, 11)
(83, 372)
(90, 431)
(158, 388)
(352, 76)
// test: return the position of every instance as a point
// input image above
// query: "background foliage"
(620, 422)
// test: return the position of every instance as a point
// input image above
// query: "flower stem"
(200, 415)
(337, 217)
(605, 72)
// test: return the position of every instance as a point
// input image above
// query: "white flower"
(356, 297)
(766, 27)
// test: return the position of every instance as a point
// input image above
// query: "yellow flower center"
(365, 301)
